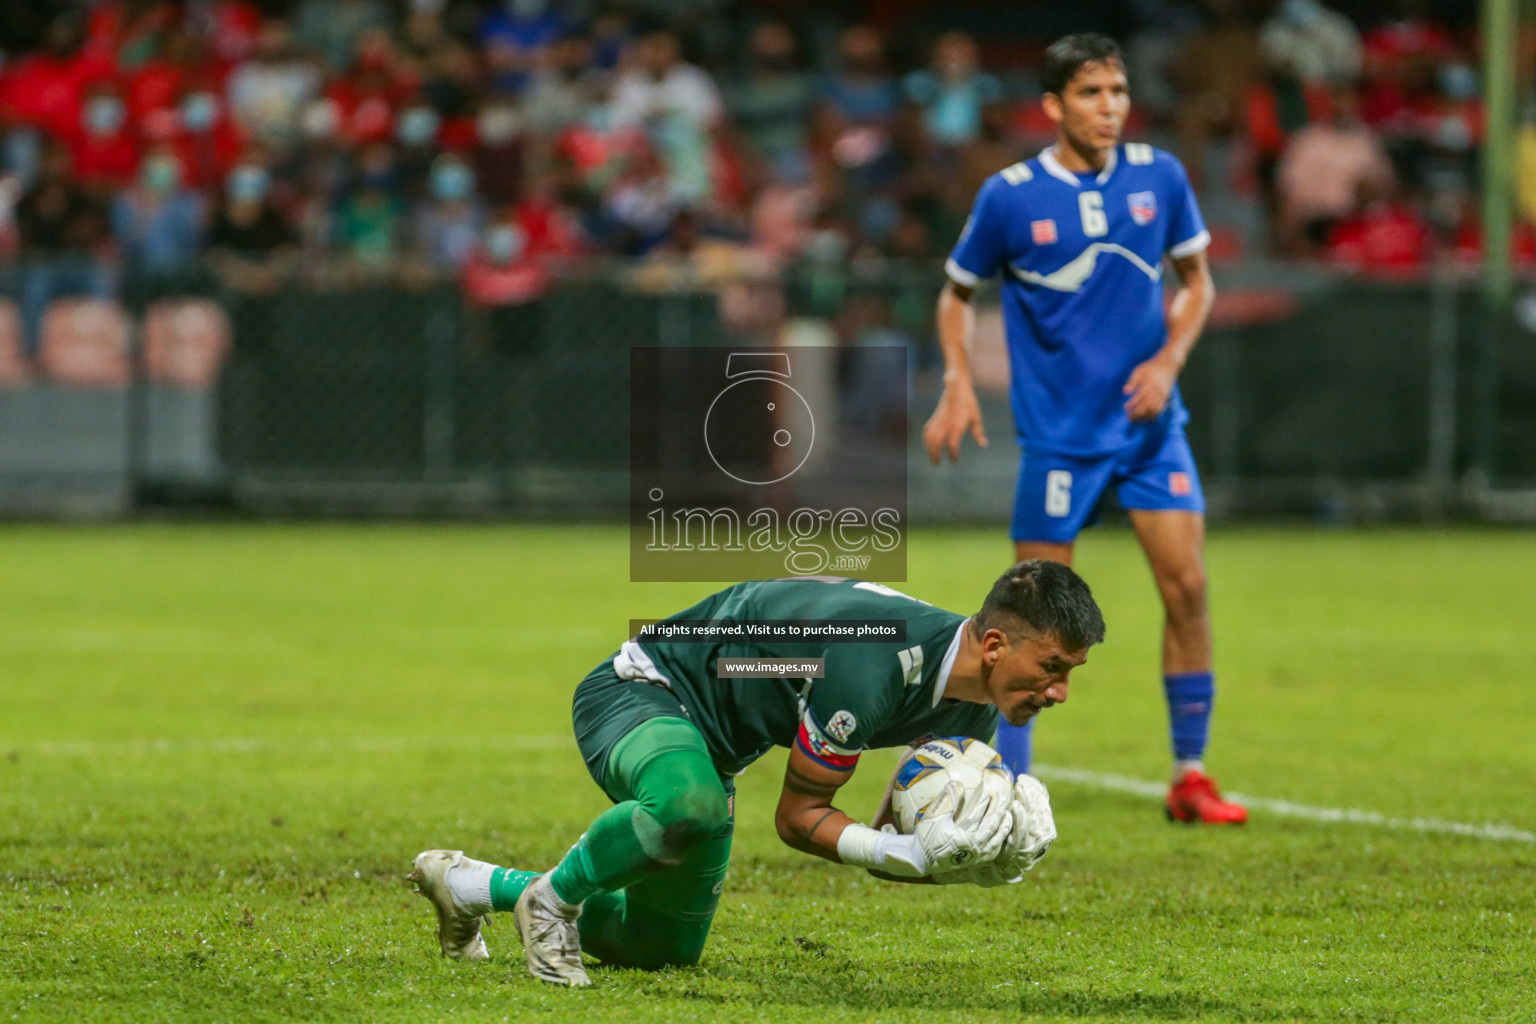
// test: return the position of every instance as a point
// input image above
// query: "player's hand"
(1031, 831)
(1149, 386)
(1034, 827)
(958, 411)
(948, 844)
(902, 857)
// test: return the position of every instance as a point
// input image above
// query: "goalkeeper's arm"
(805, 818)
(807, 821)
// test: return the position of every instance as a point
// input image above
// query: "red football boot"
(1193, 799)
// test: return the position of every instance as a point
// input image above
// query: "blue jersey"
(1081, 258)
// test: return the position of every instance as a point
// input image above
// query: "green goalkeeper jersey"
(880, 693)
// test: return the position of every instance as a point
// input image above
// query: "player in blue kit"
(1079, 235)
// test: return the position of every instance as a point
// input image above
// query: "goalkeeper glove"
(1031, 832)
(939, 843)
(974, 838)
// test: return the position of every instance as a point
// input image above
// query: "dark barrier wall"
(1345, 387)
(327, 390)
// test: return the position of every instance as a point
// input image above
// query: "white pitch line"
(1287, 809)
(550, 741)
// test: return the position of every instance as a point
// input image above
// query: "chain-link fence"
(340, 389)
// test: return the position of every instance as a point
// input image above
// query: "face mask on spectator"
(248, 184)
(827, 246)
(1299, 12)
(161, 174)
(104, 115)
(21, 151)
(497, 125)
(452, 181)
(198, 111)
(1458, 82)
(418, 126)
(504, 243)
(1452, 133)
(321, 119)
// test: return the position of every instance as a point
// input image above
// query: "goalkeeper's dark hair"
(1047, 598)
(1067, 55)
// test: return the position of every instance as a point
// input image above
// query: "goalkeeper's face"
(1029, 675)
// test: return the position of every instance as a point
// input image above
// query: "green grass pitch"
(221, 745)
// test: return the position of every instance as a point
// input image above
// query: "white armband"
(890, 852)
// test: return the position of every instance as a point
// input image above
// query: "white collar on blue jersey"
(948, 664)
(1053, 167)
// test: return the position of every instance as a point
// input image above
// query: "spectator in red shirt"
(1400, 62)
(1385, 237)
(45, 89)
(201, 128)
(502, 271)
(159, 81)
(102, 145)
(230, 26)
(368, 97)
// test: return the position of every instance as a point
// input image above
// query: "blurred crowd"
(500, 141)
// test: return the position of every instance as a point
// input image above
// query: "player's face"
(1091, 110)
(1031, 675)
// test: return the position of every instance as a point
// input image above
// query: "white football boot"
(458, 930)
(549, 936)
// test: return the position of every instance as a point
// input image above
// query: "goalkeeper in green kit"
(663, 734)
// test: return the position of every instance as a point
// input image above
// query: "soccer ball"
(924, 779)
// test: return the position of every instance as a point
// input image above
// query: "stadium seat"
(85, 344)
(13, 367)
(185, 342)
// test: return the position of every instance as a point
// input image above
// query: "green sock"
(623, 844)
(620, 837)
(507, 884)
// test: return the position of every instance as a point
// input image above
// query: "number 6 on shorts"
(1058, 493)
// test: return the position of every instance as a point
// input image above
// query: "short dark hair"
(1067, 55)
(1046, 597)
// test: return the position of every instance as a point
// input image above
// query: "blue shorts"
(1057, 494)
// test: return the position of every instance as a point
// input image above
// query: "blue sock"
(1013, 742)
(1190, 696)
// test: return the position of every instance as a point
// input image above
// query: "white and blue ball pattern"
(928, 771)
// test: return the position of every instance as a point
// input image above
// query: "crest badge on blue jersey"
(1143, 206)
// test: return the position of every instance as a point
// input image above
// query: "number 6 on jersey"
(1058, 493)
(1091, 206)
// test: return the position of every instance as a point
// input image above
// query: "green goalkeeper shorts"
(606, 708)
